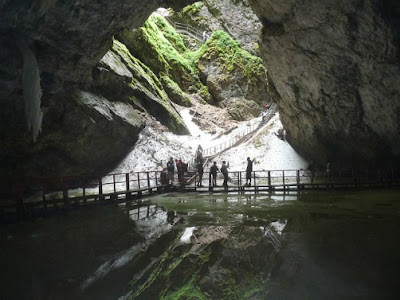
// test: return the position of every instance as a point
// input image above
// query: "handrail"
(134, 184)
(241, 136)
(186, 29)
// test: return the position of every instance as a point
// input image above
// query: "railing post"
(65, 193)
(298, 179)
(84, 187)
(148, 183)
(283, 179)
(255, 182)
(239, 179)
(127, 181)
(100, 188)
(138, 179)
(127, 194)
(269, 180)
(156, 175)
(114, 183)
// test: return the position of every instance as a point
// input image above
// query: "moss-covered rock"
(123, 77)
(174, 91)
(242, 109)
(231, 72)
(216, 72)
(223, 263)
(161, 48)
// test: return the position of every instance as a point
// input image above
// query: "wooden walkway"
(27, 197)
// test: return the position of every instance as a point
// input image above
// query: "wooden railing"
(242, 136)
(44, 194)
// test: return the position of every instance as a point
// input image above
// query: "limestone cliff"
(335, 65)
(66, 40)
(219, 71)
(232, 16)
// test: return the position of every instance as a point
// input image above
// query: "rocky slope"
(336, 68)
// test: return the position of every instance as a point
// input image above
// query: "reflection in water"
(309, 245)
(187, 235)
(271, 235)
(143, 212)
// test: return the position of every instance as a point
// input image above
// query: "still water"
(306, 245)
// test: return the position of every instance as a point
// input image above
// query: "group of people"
(167, 175)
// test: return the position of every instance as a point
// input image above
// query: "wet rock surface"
(335, 66)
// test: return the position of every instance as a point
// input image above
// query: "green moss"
(141, 72)
(187, 291)
(174, 92)
(145, 82)
(168, 46)
(221, 46)
(193, 9)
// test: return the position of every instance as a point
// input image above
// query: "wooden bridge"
(28, 197)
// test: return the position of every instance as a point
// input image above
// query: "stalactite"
(32, 90)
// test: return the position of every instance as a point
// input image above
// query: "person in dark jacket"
(213, 171)
(200, 171)
(224, 171)
(249, 170)
(182, 168)
(170, 170)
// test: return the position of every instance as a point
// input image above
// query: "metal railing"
(186, 29)
(23, 195)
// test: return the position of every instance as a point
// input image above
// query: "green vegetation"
(145, 83)
(188, 291)
(161, 63)
(159, 46)
(142, 73)
(193, 8)
(191, 13)
(223, 47)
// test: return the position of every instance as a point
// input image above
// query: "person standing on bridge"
(249, 170)
(213, 173)
(199, 154)
(224, 171)
(170, 170)
(200, 171)
(182, 168)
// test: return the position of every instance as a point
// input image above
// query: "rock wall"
(67, 39)
(335, 65)
(232, 16)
